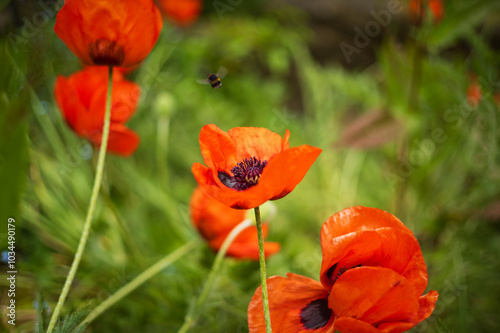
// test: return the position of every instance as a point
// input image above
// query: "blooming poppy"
(109, 32)
(372, 277)
(418, 10)
(181, 12)
(248, 166)
(215, 221)
(82, 98)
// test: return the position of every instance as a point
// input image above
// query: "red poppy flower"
(248, 166)
(215, 221)
(474, 94)
(372, 277)
(109, 32)
(418, 10)
(181, 12)
(82, 100)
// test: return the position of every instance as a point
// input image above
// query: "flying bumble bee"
(214, 79)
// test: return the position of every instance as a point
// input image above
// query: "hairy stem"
(140, 279)
(190, 318)
(263, 278)
(90, 213)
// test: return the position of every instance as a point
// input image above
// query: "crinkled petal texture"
(181, 12)
(290, 301)
(377, 299)
(370, 237)
(215, 221)
(133, 25)
(222, 151)
(82, 100)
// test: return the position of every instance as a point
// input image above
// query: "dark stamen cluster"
(245, 174)
(316, 314)
(106, 52)
(342, 271)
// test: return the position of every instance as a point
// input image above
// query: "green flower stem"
(190, 318)
(140, 279)
(262, 258)
(92, 205)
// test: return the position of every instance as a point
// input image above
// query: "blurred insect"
(214, 79)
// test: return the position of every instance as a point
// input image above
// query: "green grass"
(273, 82)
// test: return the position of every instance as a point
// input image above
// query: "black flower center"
(106, 52)
(316, 314)
(245, 174)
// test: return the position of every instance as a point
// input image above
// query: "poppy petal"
(255, 142)
(426, 303)
(251, 251)
(217, 148)
(357, 219)
(346, 252)
(286, 170)
(182, 12)
(247, 199)
(133, 26)
(401, 253)
(122, 140)
(70, 105)
(211, 217)
(373, 295)
(124, 101)
(288, 299)
(343, 237)
(353, 325)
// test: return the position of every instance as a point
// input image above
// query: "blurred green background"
(393, 120)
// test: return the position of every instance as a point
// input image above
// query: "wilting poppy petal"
(82, 100)
(181, 12)
(373, 295)
(109, 32)
(215, 221)
(250, 165)
(351, 236)
(297, 304)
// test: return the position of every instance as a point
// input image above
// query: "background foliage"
(394, 137)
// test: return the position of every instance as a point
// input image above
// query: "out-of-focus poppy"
(248, 166)
(82, 99)
(109, 32)
(181, 12)
(418, 10)
(372, 277)
(474, 94)
(215, 221)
